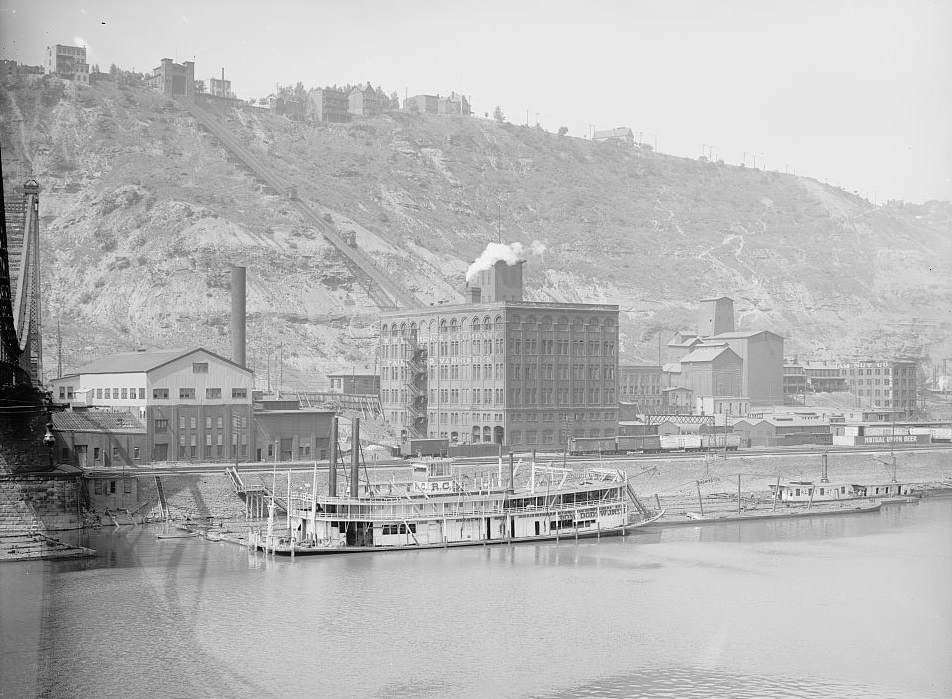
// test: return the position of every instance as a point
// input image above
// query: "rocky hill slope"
(143, 213)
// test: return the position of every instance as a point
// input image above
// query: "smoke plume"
(510, 254)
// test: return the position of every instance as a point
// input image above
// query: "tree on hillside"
(498, 115)
(563, 130)
(394, 100)
(299, 90)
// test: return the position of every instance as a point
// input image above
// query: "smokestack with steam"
(238, 315)
(496, 275)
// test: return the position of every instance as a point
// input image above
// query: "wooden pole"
(287, 513)
(776, 494)
(314, 504)
(738, 493)
(700, 503)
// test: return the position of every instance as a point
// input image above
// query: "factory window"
(157, 393)
(186, 393)
(135, 453)
(192, 422)
(200, 367)
(239, 393)
(99, 393)
(213, 393)
(142, 394)
(181, 422)
(161, 426)
(62, 392)
(108, 394)
(127, 482)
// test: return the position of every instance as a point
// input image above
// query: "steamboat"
(442, 506)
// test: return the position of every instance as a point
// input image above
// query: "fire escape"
(415, 364)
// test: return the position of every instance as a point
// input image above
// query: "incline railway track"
(382, 289)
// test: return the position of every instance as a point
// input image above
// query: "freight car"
(725, 440)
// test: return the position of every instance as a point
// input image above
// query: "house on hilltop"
(454, 104)
(67, 62)
(423, 104)
(366, 102)
(173, 78)
(329, 105)
(622, 134)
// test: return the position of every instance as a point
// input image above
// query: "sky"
(857, 93)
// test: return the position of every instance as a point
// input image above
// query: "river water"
(847, 606)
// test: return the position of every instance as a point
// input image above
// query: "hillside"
(143, 213)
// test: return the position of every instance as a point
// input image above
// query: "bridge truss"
(21, 344)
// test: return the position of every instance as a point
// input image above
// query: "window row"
(189, 393)
(238, 423)
(610, 415)
(549, 437)
(562, 348)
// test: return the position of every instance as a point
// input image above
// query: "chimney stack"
(238, 315)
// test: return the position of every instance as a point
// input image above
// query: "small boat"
(183, 535)
(443, 506)
(212, 537)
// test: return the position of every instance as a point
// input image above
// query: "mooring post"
(700, 503)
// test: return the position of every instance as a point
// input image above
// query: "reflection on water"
(852, 605)
(694, 683)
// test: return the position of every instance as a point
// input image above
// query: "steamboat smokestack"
(238, 315)
(332, 460)
(355, 457)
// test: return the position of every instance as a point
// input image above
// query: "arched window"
(476, 325)
(454, 327)
(443, 327)
(498, 320)
(487, 323)
(385, 330)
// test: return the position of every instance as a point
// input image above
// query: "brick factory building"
(195, 405)
(500, 369)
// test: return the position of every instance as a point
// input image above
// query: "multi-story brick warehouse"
(884, 384)
(500, 369)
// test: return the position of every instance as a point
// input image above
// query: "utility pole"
(498, 222)
(59, 351)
